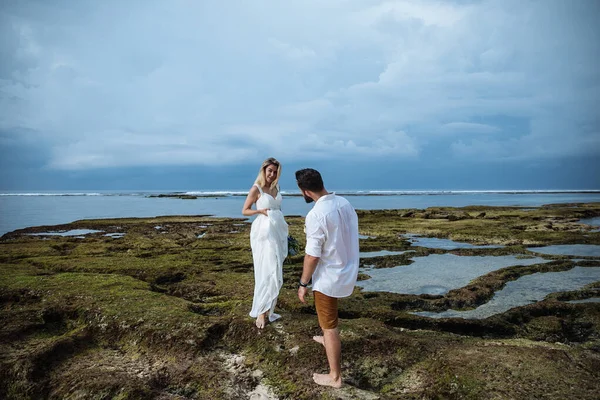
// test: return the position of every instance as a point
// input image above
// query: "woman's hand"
(250, 199)
(264, 211)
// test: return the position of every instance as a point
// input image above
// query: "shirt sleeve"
(315, 236)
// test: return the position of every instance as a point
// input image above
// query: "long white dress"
(268, 239)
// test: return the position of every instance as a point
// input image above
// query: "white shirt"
(332, 235)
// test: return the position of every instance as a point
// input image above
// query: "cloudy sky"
(194, 94)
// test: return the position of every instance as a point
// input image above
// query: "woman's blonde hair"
(261, 179)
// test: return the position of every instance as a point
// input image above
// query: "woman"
(268, 239)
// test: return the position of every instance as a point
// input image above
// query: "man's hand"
(301, 293)
(308, 269)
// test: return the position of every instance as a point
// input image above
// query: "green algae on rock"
(161, 313)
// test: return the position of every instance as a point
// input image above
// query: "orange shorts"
(327, 310)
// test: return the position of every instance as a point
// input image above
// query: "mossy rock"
(162, 313)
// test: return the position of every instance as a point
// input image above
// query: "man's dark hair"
(309, 179)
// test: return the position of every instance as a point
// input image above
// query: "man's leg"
(327, 312)
(333, 348)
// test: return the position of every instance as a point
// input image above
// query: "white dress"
(268, 238)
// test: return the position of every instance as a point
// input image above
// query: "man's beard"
(307, 199)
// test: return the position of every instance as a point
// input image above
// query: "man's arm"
(310, 264)
(315, 238)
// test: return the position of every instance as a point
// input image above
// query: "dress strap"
(259, 189)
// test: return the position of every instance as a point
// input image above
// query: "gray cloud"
(138, 83)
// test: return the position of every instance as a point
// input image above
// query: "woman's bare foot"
(319, 339)
(326, 380)
(261, 321)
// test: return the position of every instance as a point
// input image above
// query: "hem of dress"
(272, 316)
(267, 310)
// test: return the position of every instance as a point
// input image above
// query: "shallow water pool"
(380, 253)
(590, 300)
(365, 237)
(115, 235)
(72, 232)
(437, 273)
(525, 290)
(579, 250)
(591, 221)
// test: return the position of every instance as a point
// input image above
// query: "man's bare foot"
(319, 339)
(261, 321)
(326, 380)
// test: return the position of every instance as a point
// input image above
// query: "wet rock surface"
(161, 313)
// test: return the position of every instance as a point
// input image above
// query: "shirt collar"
(327, 195)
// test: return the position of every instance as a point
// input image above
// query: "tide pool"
(437, 273)
(525, 290)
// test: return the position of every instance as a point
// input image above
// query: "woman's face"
(270, 173)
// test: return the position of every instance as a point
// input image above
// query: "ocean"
(22, 209)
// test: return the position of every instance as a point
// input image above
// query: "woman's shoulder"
(255, 191)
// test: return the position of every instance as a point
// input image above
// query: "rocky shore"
(157, 308)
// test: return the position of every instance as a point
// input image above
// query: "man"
(331, 260)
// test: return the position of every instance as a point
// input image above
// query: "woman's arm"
(251, 199)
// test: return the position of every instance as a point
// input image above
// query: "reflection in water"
(72, 232)
(580, 250)
(446, 244)
(525, 290)
(437, 273)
